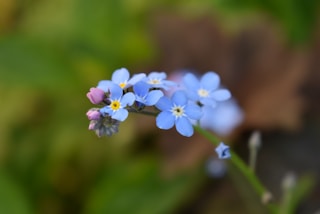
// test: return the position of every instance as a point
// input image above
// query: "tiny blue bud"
(223, 151)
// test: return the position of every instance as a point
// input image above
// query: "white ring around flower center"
(177, 111)
(203, 92)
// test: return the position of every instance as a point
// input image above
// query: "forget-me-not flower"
(177, 111)
(158, 80)
(116, 109)
(223, 118)
(122, 78)
(206, 90)
(144, 96)
(223, 151)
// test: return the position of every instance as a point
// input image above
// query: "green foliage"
(147, 191)
(51, 52)
(12, 198)
(293, 196)
(297, 17)
(28, 62)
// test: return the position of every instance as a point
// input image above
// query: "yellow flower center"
(115, 105)
(154, 81)
(203, 92)
(123, 84)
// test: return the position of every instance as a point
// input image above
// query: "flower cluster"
(192, 100)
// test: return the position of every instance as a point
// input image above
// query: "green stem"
(253, 159)
(149, 113)
(242, 167)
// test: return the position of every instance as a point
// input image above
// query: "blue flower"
(223, 151)
(141, 90)
(206, 90)
(121, 77)
(223, 118)
(158, 80)
(178, 112)
(116, 109)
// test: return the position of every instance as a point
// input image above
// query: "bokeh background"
(51, 52)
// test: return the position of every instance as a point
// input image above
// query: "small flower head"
(206, 89)
(158, 80)
(96, 95)
(144, 96)
(223, 151)
(118, 103)
(177, 111)
(122, 78)
(104, 126)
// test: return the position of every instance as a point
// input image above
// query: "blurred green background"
(52, 52)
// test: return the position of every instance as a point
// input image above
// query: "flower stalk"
(180, 105)
(243, 168)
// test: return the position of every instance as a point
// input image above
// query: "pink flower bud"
(92, 124)
(93, 114)
(95, 95)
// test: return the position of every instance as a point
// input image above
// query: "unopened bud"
(93, 114)
(104, 126)
(255, 140)
(96, 95)
(223, 151)
(254, 145)
(266, 198)
(289, 181)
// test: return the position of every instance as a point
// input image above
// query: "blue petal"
(157, 75)
(140, 99)
(169, 83)
(115, 91)
(221, 94)
(191, 82)
(153, 97)
(207, 116)
(166, 84)
(164, 104)
(193, 111)
(179, 98)
(128, 99)
(210, 81)
(120, 75)
(106, 111)
(165, 120)
(192, 95)
(120, 114)
(135, 78)
(184, 126)
(141, 89)
(208, 101)
(105, 85)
